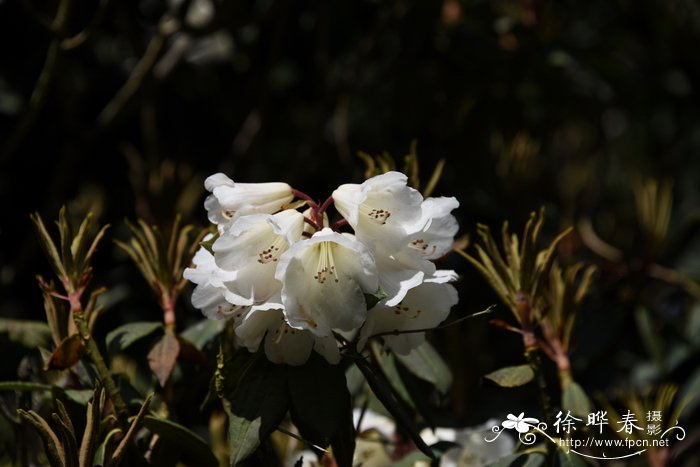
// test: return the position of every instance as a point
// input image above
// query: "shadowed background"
(123, 108)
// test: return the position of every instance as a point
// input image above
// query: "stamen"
(377, 215)
(326, 264)
(272, 253)
(423, 247)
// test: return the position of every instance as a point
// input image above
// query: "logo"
(596, 435)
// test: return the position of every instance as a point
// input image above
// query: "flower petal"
(324, 281)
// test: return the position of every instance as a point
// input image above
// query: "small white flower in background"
(291, 279)
(473, 450)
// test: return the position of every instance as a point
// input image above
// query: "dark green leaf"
(391, 402)
(387, 363)
(569, 459)
(320, 406)
(81, 396)
(203, 332)
(575, 400)
(512, 376)
(371, 299)
(125, 335)
(66, 354)
(189, 443)
(535, 460)
(23, 386)
(26, 333)
(426, 363)
(256, 399)
(163, 356)
(506, 461)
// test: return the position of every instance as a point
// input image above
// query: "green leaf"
(506, 461)
(575, 400)
(426, 363)
(163, 356)
(569, 459)
(387, 364)
(320, 406)
(66, 354)
(256, 399)
(26, 333)
(391, 402)
(81, 396)
(125, 335)
(371, 299)
(512, 376)
(203, 332)
(189, 443)
(23, 386)
(535, 460)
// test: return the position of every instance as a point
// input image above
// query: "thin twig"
(452, 323)
(299, 438)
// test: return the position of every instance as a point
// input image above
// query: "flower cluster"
(290, 278)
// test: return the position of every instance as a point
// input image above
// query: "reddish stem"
(305, 197)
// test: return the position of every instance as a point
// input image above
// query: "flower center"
(326, 264)
(273, 252)
(406, 311)
(423, 247)
(378, 215)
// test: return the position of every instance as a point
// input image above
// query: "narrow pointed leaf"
(135, 425)
(26, 333)
(92, 429)
(48, 245)
(54, 451)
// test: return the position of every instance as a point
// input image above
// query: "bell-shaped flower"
(382, 210)
(251, 248)
(423, 307)
(324, 281)
(230, 200)
(283, 343)
(406, 268)
(435, 230)
(212, 283)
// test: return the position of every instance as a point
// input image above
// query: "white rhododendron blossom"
(293, 276)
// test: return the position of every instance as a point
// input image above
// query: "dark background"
(566, 104)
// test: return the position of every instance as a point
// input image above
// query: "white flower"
(435, 230)
(230, 200)
(423, 307)
(251, 248)
(382, 210)
(473, 449)
(211, 288)
(283, 344)
(324, 281)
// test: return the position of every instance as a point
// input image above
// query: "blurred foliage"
(589, 108)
